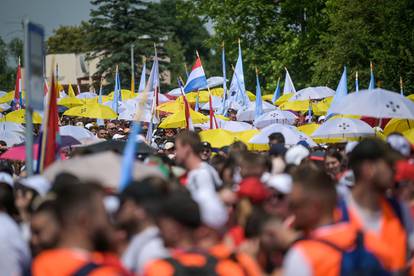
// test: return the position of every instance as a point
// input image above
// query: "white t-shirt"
(202, 183)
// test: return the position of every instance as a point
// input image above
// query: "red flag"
(45, 88)
(212, 117)
(18, 87)
(51, 131)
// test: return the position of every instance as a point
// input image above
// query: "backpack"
(206, 270)
(357, 261)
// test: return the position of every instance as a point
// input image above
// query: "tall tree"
(69, 39)
(6, 73)
(16, 49)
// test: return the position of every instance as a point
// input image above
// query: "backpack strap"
(86, 269)
(396, 206)
(344, 209)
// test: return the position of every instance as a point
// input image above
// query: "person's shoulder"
(56, 262)
(159, 267)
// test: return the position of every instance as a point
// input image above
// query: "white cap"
(168, 145)
(321, 118)
(281, 182)
(89, 125)
(296, 154)
(350, 146)
(117, 136)
(37, 183)
(6, 178)
(400, 144)
(80, 124)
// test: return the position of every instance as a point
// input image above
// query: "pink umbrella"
(19, 153)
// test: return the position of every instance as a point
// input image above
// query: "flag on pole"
(341, 92)
(401, 86)
(237, 86)
(276, 95)
(356, 82)
(58, 86)
(45, 87)
(128, 158)
(79, 90)
(197, 78)
(223, 108)
(197, 103)
(50, 134)
(17, 102)
(259, 103)
(310, 112)
(142, 79)
(188, 121)
(186, 70)
(71, 92)
(372, 78)
(100, 122)
(289, 87)
(132, 70)
(213, 121)
(117, 92)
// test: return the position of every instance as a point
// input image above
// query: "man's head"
(44, 227)
(313, 197)
(140, 203)
(111, 128)
(276, 138)
(206, 151)
(81, 213)
(179, 218)
(372, 162)
(102, 133)
(187, 144)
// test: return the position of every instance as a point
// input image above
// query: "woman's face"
(332, 165)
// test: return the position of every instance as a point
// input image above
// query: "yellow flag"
(71, 92)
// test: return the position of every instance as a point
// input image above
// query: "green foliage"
(7, 74)
(16, 50)
(69, 39)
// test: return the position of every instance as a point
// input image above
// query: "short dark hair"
(3, 143)
(180, 207)
(7, 199)
(335, 153)
(278, 137)
(6, 166)
(316, 183)
(191, 138)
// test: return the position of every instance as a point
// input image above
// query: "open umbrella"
(313, 93)
(309, 129)
(79, 133)
(248, 113)
(343, 128)
(96, 111)
(377, 103)
(86, 95)
(103, 167)
(178, 120)
(19, 117)
(125, 94)
(398, 125)
(291, 134)
(284, 98)
(275, 117)
(217, 137)
(11, 127)
(11, 138)
(70, 102)
(409, 134)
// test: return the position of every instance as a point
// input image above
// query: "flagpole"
(132, 70)
(401, 86)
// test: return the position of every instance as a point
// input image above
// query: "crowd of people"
(344, 209)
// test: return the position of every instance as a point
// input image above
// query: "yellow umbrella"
(245, 137)
(96, 111)
(70, 102)
(177, 120)
(224, 118)
(398, 125)
(321, 107)
(308, 129)
(192, 96)
(267, 97)
(251, 96)
(411, 97)
(9, 97)
(218, 137)
(125, 94)
(171, 107)
(284, 98)
(19, 116)
(409, 134)
(346, 116)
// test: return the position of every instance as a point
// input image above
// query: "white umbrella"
(313, 93)
(377, 103)
(248, 113)
(234, 126)
(150, 95)
(216, 102)
(343, 128)
(79, 133)
(275, 117)
(176, 92)
(213, 82)
(11, 138)
(4, 107)
(121, 105)
(2, 93)
(86, 95)
(11, 127)
(292, 135)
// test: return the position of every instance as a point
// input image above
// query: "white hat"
(37, 183)
(350, 146)
(321, 118)
(400, 144)
(89, 125)
(296, 154)
(6, 178)
(169, 145)
(80, 124)
(117, 136)
(281, 182)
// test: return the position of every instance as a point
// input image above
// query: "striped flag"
(197, 78)
(213, 121)
(188, 121)
(17, 102)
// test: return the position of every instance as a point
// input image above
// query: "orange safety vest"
(392, 233)
(324, 260)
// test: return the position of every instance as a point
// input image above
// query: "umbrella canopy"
(176, 92)
(177, 120)
(171, 107)
(4, 107)
(19, 117)
(79, 133)
(313, 93)
(377, 103)
(309, 129)
(216, 102)
(284, 98)
(292, 135)
(248, 113)
(11, 127)
(411, 97)
(96, 111)
(275, 117)
(318, 108)
(343, 128)
(122, 106)
(234, 126)
(409, 134)
(245, 136)
(70, 102)
(86, 95)
(217, 137)
(125, 94)
(115, 146)
(398, 125)
(11, 138)
(213, 82)
(104, 167)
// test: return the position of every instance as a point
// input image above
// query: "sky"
(49, 13)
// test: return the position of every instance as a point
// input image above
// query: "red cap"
(404, 170)
(254, 189)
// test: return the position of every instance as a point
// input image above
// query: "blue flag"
(117, 92)
(143, 78)
(100, 122)
(237, 86)
(372, 78)
(223, 108)
(341, 91)
(356, 82)
(128, 158)
(276, 95)
(259, 104)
